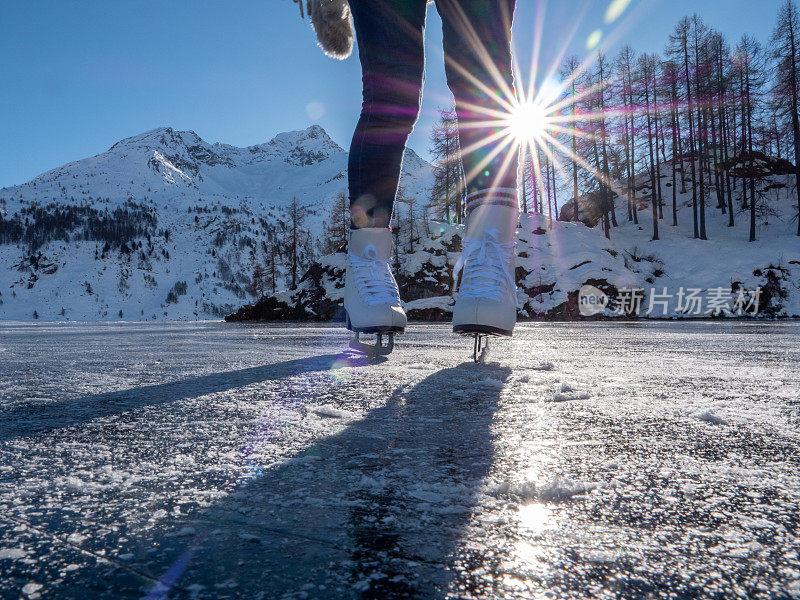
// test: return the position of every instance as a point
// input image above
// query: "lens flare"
(315, 110)
(340, 369)
(615, 10)
(594, 39)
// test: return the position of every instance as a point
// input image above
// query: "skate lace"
(484, 267)
(373, 278)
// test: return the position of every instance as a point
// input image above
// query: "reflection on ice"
(534, 517)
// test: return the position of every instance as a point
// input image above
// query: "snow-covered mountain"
(164, 225)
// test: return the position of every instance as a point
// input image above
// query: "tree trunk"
(654, 194)
(547, 188)
(524, 152)
(750, 150)
(726, 156)
(702, 137)
(574, 154)
(658, 163)
(715, 149)
(691, 135)
(702, 142)
(555, 191)
(674, 155)
(608, 201)
(633, 147)
(795, 121)
(626, 135)
(535, 182)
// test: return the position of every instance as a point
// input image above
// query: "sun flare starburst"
(549, 113)
(527, 122)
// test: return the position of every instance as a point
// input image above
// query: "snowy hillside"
(682, 276)
(164, 225)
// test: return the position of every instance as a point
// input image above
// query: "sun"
(527, 122)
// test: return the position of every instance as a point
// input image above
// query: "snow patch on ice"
(442, 302)
(545, 366)
(559, 397)
(427, 496)
(12, 553)
(709, 417)
(76, 538)
(556, 489)
(77, 483)
(31, 588)
(372, 483)
(330, 411)
(490, 383)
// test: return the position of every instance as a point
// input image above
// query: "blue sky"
(78, 76)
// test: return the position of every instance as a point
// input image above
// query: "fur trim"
(333, 25)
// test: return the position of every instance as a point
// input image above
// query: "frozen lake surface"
(224, 461)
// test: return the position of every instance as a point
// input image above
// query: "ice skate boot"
(486, 299)
(371, 297)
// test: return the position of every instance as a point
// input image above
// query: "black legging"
(390, 36)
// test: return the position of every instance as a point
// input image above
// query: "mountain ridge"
(164, 210)
(167, 164)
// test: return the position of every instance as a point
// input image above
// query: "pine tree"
(749, 53)
(405, 220)
(679, 49)
(571, 71)
(526, 176)
(786, 75)
(648, 65)
(295, 238)
(698, 43)
(671, 75)
(259, 281)
(608, 200)
(337, 226)
(272, 268)
(448, 188)
(624, 63)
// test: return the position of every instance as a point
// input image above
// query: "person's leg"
(477, 46)
(390, 44)
(391, 48)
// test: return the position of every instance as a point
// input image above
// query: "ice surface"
(208, 460)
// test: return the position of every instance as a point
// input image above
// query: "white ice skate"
(371, 296)
(486, 302)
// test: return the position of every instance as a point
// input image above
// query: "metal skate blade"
(372, 350)
(480, 349)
